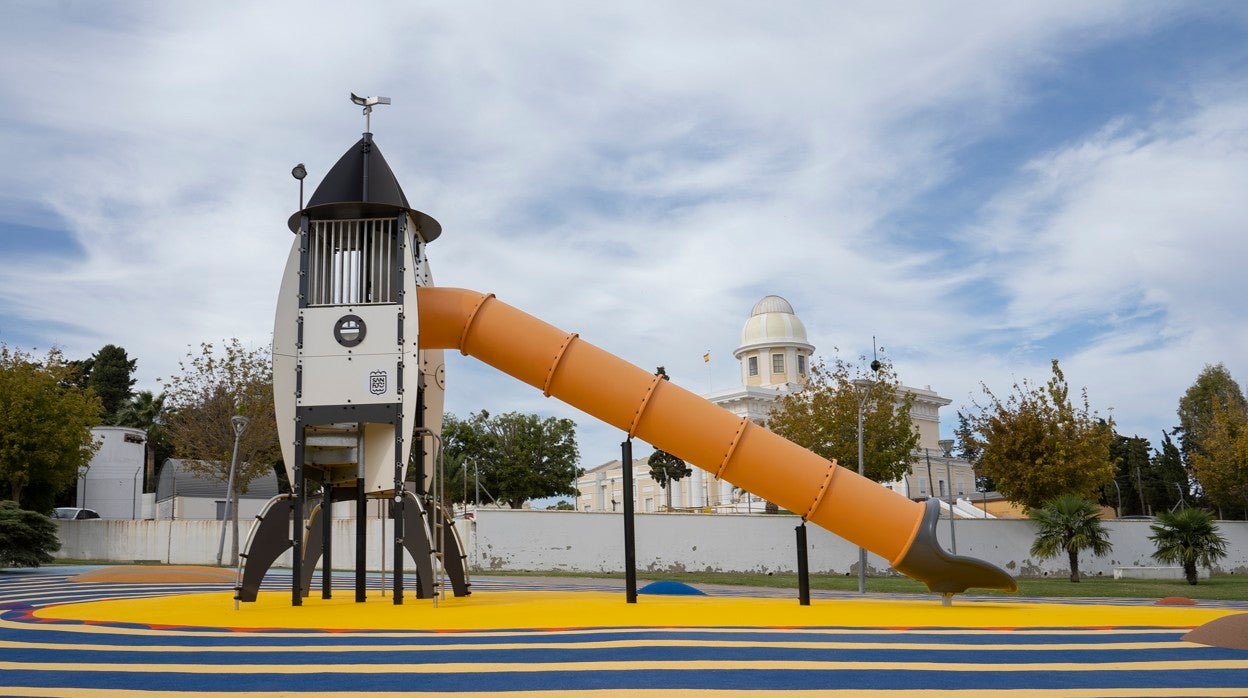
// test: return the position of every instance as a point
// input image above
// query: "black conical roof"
(361, 184)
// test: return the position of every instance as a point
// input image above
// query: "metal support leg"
(296, 566)
(361, 537)
(803, 567)
(630, 539)
(327, 557)
(398, 511)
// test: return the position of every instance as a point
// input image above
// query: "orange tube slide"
(672, 419)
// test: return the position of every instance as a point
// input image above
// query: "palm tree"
(1069, 523)
(1188, 537)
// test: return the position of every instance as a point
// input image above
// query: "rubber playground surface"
(62, 634)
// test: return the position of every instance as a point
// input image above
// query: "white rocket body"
(343, 348)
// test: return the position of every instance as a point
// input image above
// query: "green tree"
(110, 373)
(1214, 388)
(1132, 469)
(45, 427)
(200, 401)
(823, 418)
(517, 456)
(666, 469)
(968, 449)
(1069, 524)
(1220, 465)
(1170, 479)
(1187, 536)
(1036, 445)
(456, 477)
(27, 538)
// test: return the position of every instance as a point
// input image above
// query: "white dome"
(772, 304)
(773, 321)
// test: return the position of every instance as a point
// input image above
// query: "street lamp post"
(953, 536)
(239, 423)
(862, 403)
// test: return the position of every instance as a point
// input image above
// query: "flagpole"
(706, 359)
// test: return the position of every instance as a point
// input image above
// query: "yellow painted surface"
(498, 610)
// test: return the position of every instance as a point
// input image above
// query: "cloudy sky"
(981, 186)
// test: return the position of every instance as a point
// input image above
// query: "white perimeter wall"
(594, 542)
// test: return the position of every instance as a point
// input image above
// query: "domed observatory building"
(775, 356)
(775, 360)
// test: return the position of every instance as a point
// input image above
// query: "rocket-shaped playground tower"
(358, 380)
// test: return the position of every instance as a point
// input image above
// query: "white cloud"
(639, 174)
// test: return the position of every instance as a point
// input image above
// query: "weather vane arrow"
(368, 103)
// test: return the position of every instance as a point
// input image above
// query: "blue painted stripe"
(621, 654)
(778, 679)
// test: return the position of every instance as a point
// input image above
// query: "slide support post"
(803, 567)
(630, 537)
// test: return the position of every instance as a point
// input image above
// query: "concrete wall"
(205, 508)
(553, 540)
(195, 542)
(593, 542)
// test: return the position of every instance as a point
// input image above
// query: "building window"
(753, 365)
(923, 488)
(961, 489)
(801, 364)
(777, 363)
(941, 484)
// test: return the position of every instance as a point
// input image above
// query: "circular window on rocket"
(349, 330)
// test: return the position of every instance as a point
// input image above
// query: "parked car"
(74, 513)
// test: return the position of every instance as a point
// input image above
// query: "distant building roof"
(176, 481)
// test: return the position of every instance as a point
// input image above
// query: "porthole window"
(349, 331)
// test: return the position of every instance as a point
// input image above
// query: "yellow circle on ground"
(497, 610)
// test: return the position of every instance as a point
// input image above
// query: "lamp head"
(369, 101)
(299, 172)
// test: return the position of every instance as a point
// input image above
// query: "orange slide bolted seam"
(675, 420)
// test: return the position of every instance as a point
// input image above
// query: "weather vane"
(368, 103)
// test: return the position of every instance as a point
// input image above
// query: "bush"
(27, 538)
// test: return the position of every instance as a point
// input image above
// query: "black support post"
(327, 558)
(397, 593)
(630, 537)
(416, 463)
(296, 516)
(803, 567)
(361, 539)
